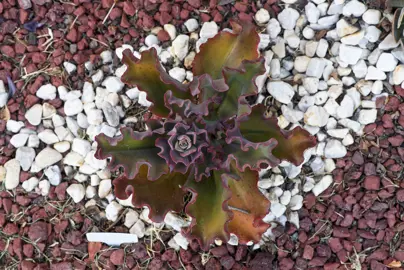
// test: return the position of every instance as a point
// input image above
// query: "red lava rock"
(213, 264)
(72, 35)
(308, 252)
(10, 229)
(38, 231)
(396, 140)
(8, 51)
(286, 263)
(27, 265)
(169, 255)
(262, 260)
(219, 251)
(28, 250)
(331, 266)
(117, 257)
(194, 3)
(156, 264)
(357, 158)
(62, 266)
(335, 244)
(372, 182)
(227, 262)
(185, 255)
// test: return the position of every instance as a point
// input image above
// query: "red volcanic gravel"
(357, 223)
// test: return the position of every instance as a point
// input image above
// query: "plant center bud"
(183, 143)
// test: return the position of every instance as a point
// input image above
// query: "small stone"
(25, 155)
(285, 198)
(69, 67)
(178, 73)
(353, 39)
(112, 211)
(130, 218)
(312, 13)
(113, 84)
(322, 185)
(43, 188)
(62, 147)
(110, 113)
(360, 69)
(277, 209)
(338, 133)
(48, 136)
(138, 229)
(181, 241)
(388, 43)
(310, 84)
(73, 159)
(30, 184)
(296, 202)
(322, 48)
(151, 40)
(104, 188)
(12, 178)
(344, 28)
(308, 33)
(46, 92)
(372, 16)
(288, 17)
(354, 8)
(208, 30)
(81, 146)
(316, 116)
(180, 46)
(73, 107)
(350, 54)
(281, 91)
(273, 28)
(372, 33)
(375, 74)
(398, 75)
(176, 222)
(306, 102)
(315, 68)
(54, 175)
(106, 57)
(387, 62)
(47, 157)
(34, 115)
(171, 30)
(334, 149)
(191, 25)
(367, 116)
(279, 49)
(14, 126)
(19, 140)
(301, 63)
(262, 16)
(77, 192)
(293, 116)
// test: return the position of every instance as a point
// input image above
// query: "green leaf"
(248, 206)
(255, 128)
(241, 84)
(227, 50)
(208, 209)
(130, 151)
(160, 196)
(398, 25)
(149, 76)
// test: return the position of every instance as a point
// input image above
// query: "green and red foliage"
(205, 140)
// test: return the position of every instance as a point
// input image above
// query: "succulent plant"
(205, 144)
(398, 25)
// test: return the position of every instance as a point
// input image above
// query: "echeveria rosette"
(205, 140)
(183, 146)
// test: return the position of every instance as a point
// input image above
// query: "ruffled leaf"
(248, 205)
(255, 128)
(241, 84)
(149, 76)
(130, 151)
(227, 50)
(208, 209)
(160, 196)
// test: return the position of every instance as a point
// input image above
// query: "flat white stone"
(312, 12)
(344, 28)
(14, 126)
(46, 92)
(81, 146)
(398, 75)
(315, 68)
(288, 17)
(350, 54)
(281, 91)
(76, 192)
(372, 16)
(175, 222)
(171, 30)
(367, 116)
(316, 116)
(73, 159)
(293, 116)
(346, 108)
(181, 241)
(296, 202)
(48, 136)
(104, 188)
(19, 140)
(30, 184)
(113, 84)
(360, 69)
(138, 229)
(191, 25)
(322, 185)
(262, 16)
(69, 67)
(53, 174)
(43, 188)
(339, 133)
(278, 209)
(353, 39)
(372, 33)
(208, 30)
(34, 114)
(301, 63)
(374, 74)
(388, 43)
(322, 48)
(273, 28)
(47, 157)
(112, 211)
(334, 149)
(354, 8)
(180, 46)
(177, 73)
(25, 155)
(13, 170)
(112, 239)
(387, 62)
